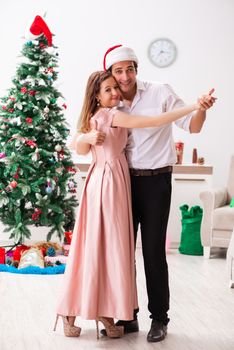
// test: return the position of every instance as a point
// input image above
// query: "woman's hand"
(94, 137)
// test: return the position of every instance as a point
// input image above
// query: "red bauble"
(71, 170)
(34, 217)
(23, 90)
(36, 214)
(29, 120)
(13, 184)
(30, 143)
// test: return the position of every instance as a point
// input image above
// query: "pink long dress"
(100, 276)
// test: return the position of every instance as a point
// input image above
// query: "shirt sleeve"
(173, 102)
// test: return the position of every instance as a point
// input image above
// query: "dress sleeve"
(93, 123)
(103, 118)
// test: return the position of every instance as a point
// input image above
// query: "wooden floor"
(202, 311)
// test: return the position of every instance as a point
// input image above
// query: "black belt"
(150, 172)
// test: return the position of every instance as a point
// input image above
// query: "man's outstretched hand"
(207, 101)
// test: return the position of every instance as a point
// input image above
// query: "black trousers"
(151, 198)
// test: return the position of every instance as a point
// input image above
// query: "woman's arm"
(125, 120)
(81, 143)
(82, 146)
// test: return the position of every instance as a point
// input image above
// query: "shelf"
(177, 169)
(193, 169)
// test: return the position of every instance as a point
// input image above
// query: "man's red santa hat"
(38, 28)
(118, 53)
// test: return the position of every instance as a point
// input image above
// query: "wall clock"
(162, 52)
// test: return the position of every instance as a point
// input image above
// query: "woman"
(99, 281)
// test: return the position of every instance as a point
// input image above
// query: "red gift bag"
(2, 255)
(68, 236)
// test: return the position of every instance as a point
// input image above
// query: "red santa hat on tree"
(118, 53)
(38, 28)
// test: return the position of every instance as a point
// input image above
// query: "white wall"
(201, 29)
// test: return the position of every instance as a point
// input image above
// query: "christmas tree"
(36, 170)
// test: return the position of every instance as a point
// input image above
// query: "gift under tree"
(36, 170)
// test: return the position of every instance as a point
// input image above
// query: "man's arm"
(199, 117)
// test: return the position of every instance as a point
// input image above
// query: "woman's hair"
(90, 103)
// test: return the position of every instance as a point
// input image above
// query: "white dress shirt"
(152, 148)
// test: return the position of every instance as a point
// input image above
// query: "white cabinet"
(187, 183)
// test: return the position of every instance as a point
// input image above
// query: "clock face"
(162, 52)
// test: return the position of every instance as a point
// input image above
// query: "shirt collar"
(140, 85)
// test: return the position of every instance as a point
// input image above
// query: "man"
(151, 154)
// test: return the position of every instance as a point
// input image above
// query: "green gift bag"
(190, 241)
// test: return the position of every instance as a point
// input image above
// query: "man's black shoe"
(129, 326)
(157, 332)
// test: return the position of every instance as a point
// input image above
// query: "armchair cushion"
(223, 218)
(214, 198)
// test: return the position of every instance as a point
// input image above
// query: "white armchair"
(218, 217)
(230, 262)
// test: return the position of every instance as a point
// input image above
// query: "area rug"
(34, 270)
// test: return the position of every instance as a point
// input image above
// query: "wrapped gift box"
(61, 258)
